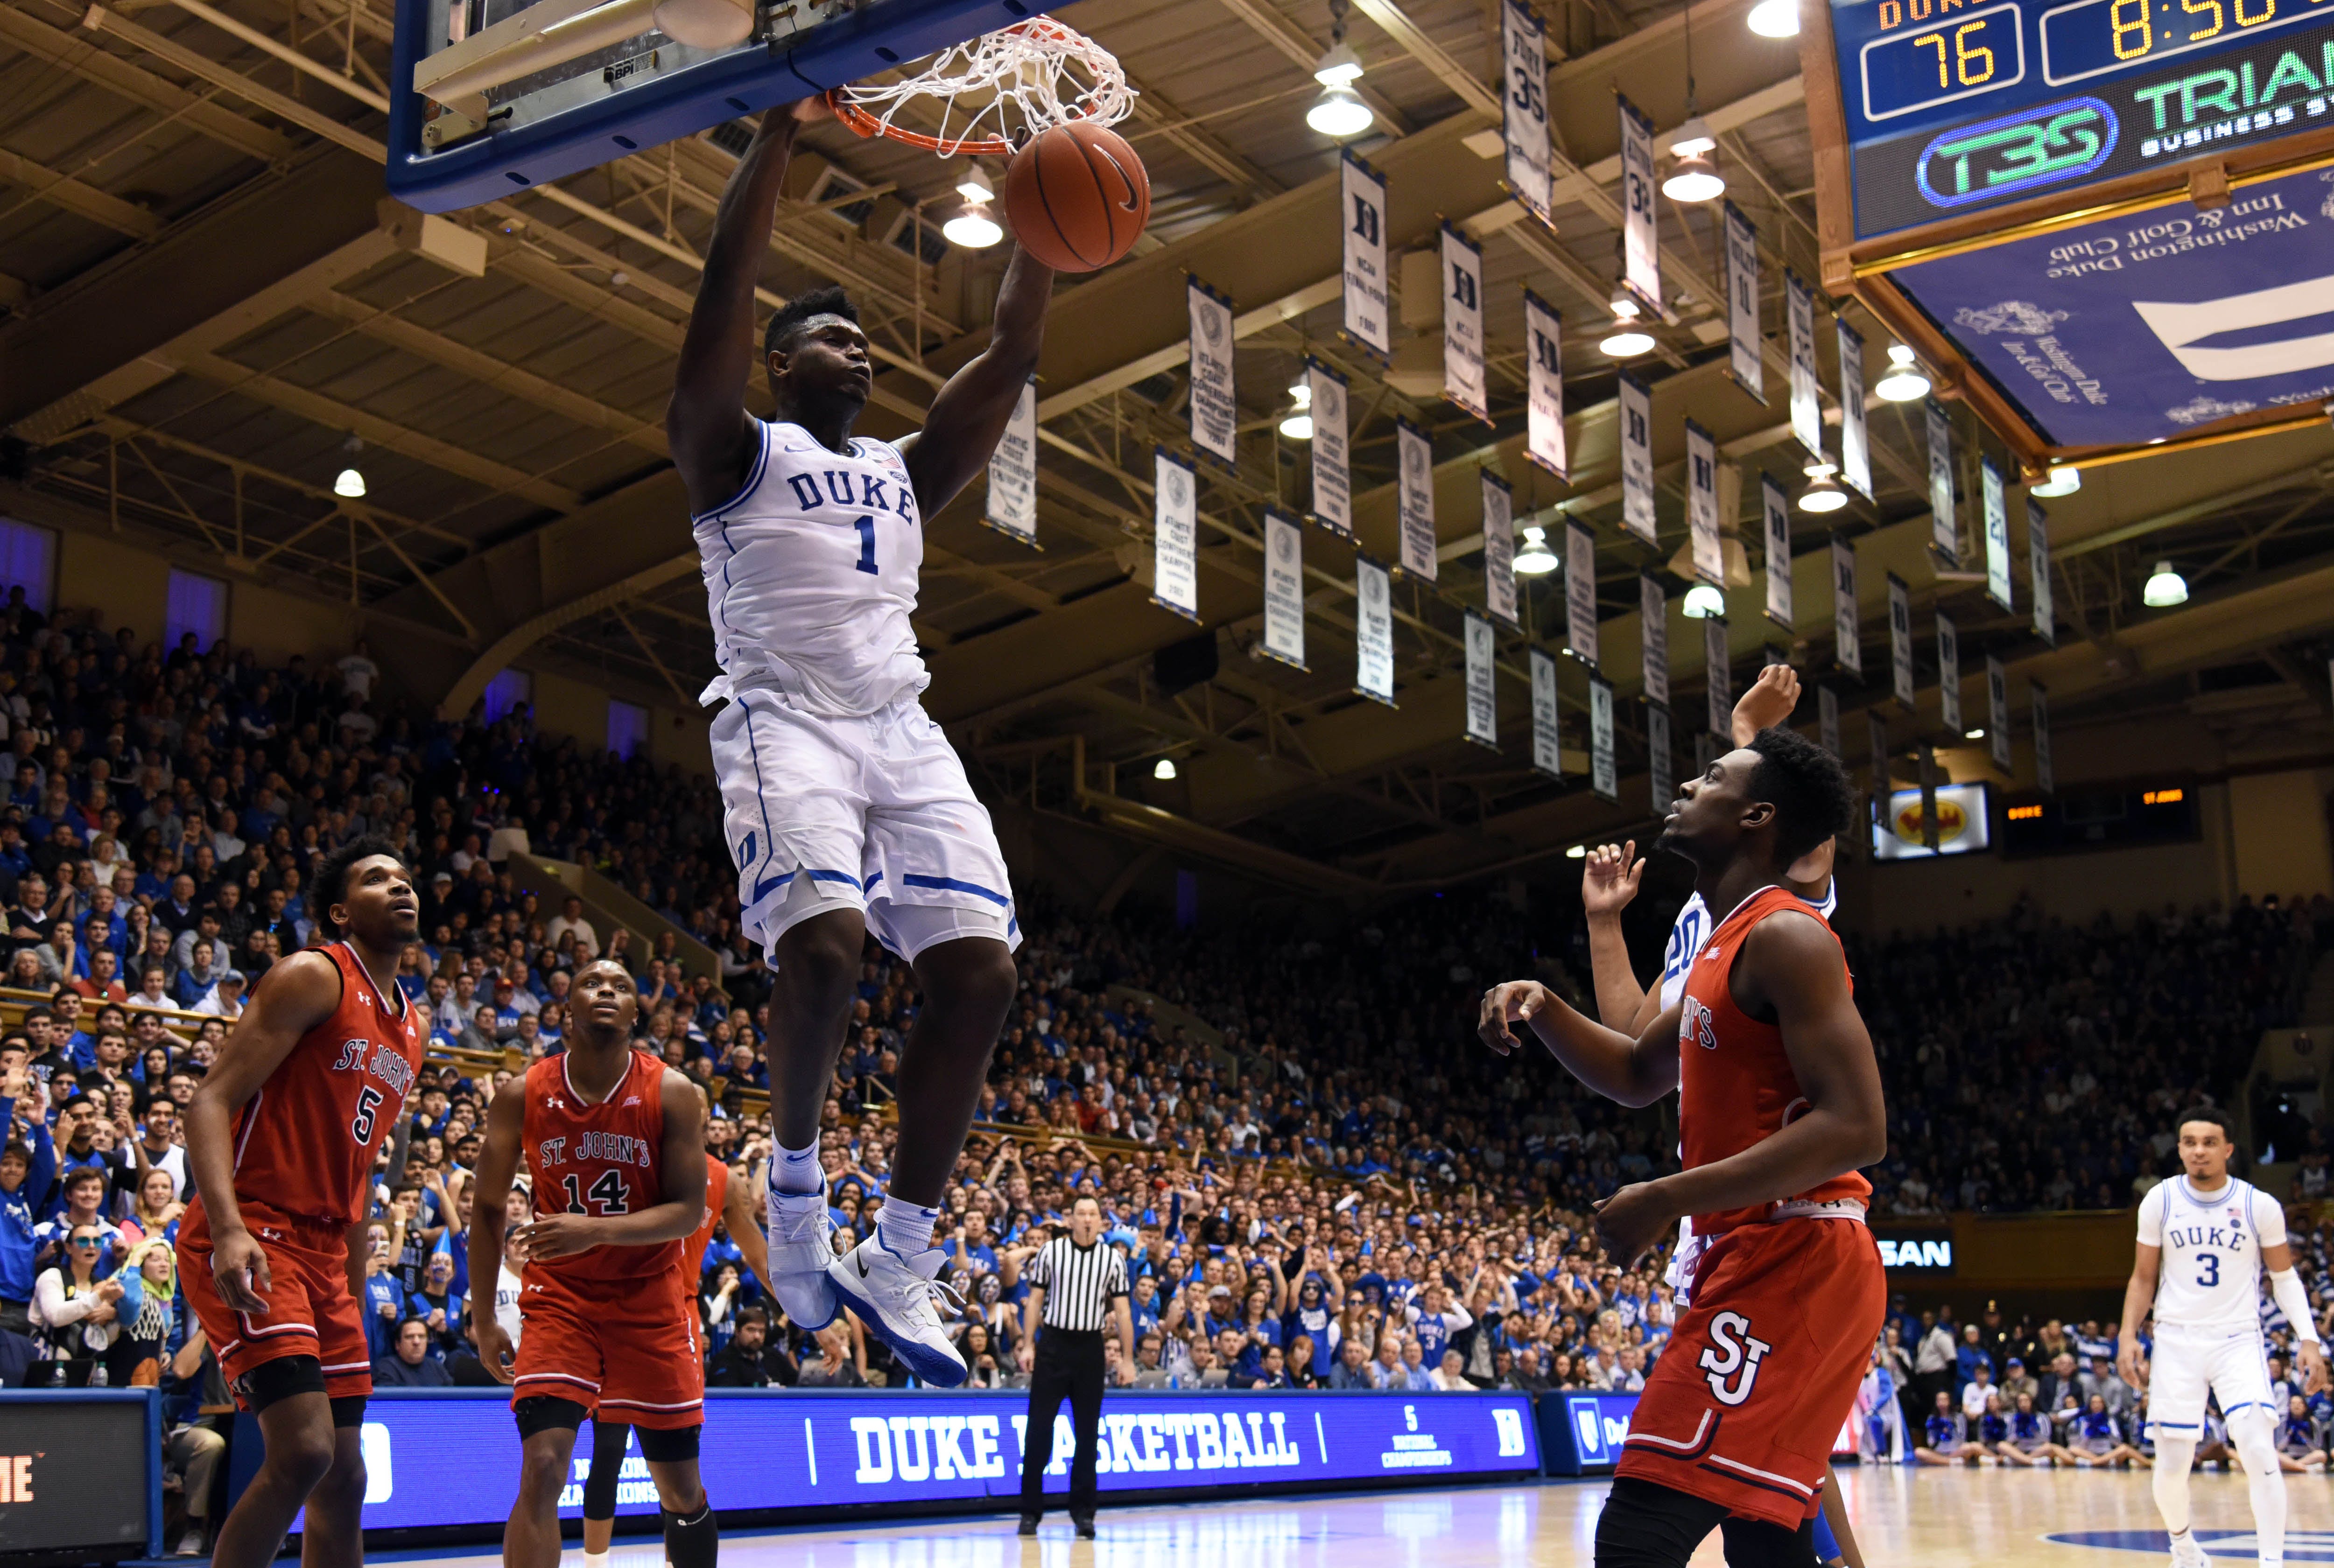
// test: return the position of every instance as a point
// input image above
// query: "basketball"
(1077, 198)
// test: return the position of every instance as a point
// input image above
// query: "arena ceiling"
(204, 299)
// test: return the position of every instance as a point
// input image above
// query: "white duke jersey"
(1691, 928)
(810, 574)
(2210, 1272)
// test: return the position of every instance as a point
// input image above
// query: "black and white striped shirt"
(1080, 1283)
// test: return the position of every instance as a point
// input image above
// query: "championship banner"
(1500, 549)
(1659, 765)
(1944, 528)
(1719, 662)
(1746, 359)
(1523, 115)
(1855, 441)
(1547, 735)
(2045, 779)
(1997, 702)
(1900, 638)
(1175, 536)
(1367, 321)
(1215, 416)
(1702, 505)
(1333, 478)
(1997, 533)
(1284, 590)
(1806, 394)
(1373, 629)
(1949, 675)
(1877, 731)
(1654, 627)
(1846, 636)
(1828, 720)
(2038, 566)
(1602, 776)
(1776, 506)
(1417, 505)
(1462, 324)
(1580, 591)
(1544, 386)
(1012, 504)
(1636, 402)
(1641, 256)
(1482, 696)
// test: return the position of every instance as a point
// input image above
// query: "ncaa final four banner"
(1482, 689)
(1175, 534)
(1580, 591)
(1847, 635)
(1855, 441)
(1462, 324)
(1215, 416)
(1500, 549)
(1661, 765)
(1949, 675)
(1548, 732)
(1333, 478)
(1828, 720)
(1944, 527)
(1654, 632)
(1997, 533)
(1900, 639)
(1523, 111)
(1807, 391)
(2038, 568)
(1373, 629)
(1602, 777)
(1641, 255)
(1777, 508)
(1718, 664)
(1997, 704)
(1416, 493)
(1702, 505)
(1284, 590)
(1746, 359)
(1636, 410)
(1012, 504)
(1367, 321)
(1544, 387)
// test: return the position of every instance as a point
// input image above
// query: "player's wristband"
(2293, 1301)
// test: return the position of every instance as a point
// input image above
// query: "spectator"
(409, 1364)
(77, 1309)
(748, 1360)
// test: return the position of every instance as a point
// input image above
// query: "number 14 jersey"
(599, 1157)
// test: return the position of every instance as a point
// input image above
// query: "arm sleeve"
(2293, 1301)
(2151, 1216)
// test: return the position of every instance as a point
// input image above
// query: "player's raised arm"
(498, 1158)
(1608, 883)
(741, 1215)
(674, 1216)
(1769, 701)
(967, 418)
(1634, 1070)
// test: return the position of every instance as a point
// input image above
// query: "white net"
(996, 92)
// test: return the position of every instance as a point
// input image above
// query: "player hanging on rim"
(615, 1146)
(281, 1138)
(2206, 1238)
(846, 809)
(1780, 1105)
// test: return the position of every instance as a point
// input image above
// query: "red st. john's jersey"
(693, 1245)
(1735, 1083)
(304, 1144)
(599, 1157)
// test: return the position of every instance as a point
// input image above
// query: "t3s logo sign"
(2035, 147)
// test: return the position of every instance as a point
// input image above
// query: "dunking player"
(280, 1141)
(615, 1145)
(1779, 1104)
(846, 809)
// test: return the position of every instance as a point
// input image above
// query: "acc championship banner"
(1602, 778)
(1547, 737)
(1702, 505)
(1746, 357)
(1416, 490)
(1944, 528)
(1544, 386)
(1659, 768)
(1499, 548)
(1373, 629)
(1637, 405)
(1900, 638)
(1215, 418)
(2154, 325)
(1828, 720)
(1333, 478)
(1847, 637)
(1641, 256)
(1580, 591)
(1855, 441)
(1777, 506)
(1997, 533)
(1997, 704)
(1175, 536)
(1366, 318)
(1482, 696)
(1718, 661)
(1284, 590)
(1807, 395)
(1653, 629)
(1012, 507)
(1949, 675)
(2037, 567)
(2045, 778)
(1462, 324)
(1523, 114)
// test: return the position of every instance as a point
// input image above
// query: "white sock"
(2173, 1457)
(595, 1560)
(796, 1172)
(906, 1227)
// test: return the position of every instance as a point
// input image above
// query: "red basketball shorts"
(310, 1312)
(627, 1348)
(1744, 1406)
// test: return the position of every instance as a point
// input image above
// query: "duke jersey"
(2210, 1271)
(810, 574)
(1691, 928)
(599, 1157)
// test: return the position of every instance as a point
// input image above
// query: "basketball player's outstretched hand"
(239, 1269)
(1609, 879)
(1509, 1003)
(2128, 1364)
(1631, 1220)
(494, 1348)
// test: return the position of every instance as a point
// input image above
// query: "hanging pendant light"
(1823, 493)
(1535, 559)
(2165, 589)
(1903, 383)
(1297, 423)
(1163, 770)
(1695, 176)
(351, 482)
(1775, 18)
(2063, 481)
(1704, 602)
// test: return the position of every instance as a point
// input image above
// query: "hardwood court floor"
(1905, 1519)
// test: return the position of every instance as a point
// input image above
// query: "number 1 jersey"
(599, 1157)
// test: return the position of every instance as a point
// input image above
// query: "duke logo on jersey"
(2208, 1299)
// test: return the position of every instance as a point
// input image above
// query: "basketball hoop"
(1037, 74)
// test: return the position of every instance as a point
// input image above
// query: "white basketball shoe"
(801, 1245)
(901, 1299)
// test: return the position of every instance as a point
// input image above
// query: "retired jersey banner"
(1944, 527)
(1828, 720)
(1462, 324)
(1580, 591)
(1523, 112)
(1653, 623)
(1777, 506)
(1855, 441)
(1997, 704)
(1499, 549)
(1284, 589)
(2037, 567)
(1416, 490)
(1012, 504)
(1661, 766)
(1547, 733)
(1702, 505)
(1215, 416)
(1848, 636)
(1900, 638)
(1367, 321)
(2045, 778)
(1997, 533)
(1333, 478)
(1544, 386)
(1745, 344)
(1719, 663)
(1807, 393)
(1482, 691)
(1602, 777)
(1641, 255)
(1175, 536)
(1636, 410)
(1373, 629)
(1949, 675)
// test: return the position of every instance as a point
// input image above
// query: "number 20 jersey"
(598, 1157)
(811, 573)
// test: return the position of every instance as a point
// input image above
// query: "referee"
(1077, 1284)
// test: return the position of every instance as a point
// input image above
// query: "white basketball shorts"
(871, 813)
(2229, 1360)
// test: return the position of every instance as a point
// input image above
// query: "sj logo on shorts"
(1730, 1362)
